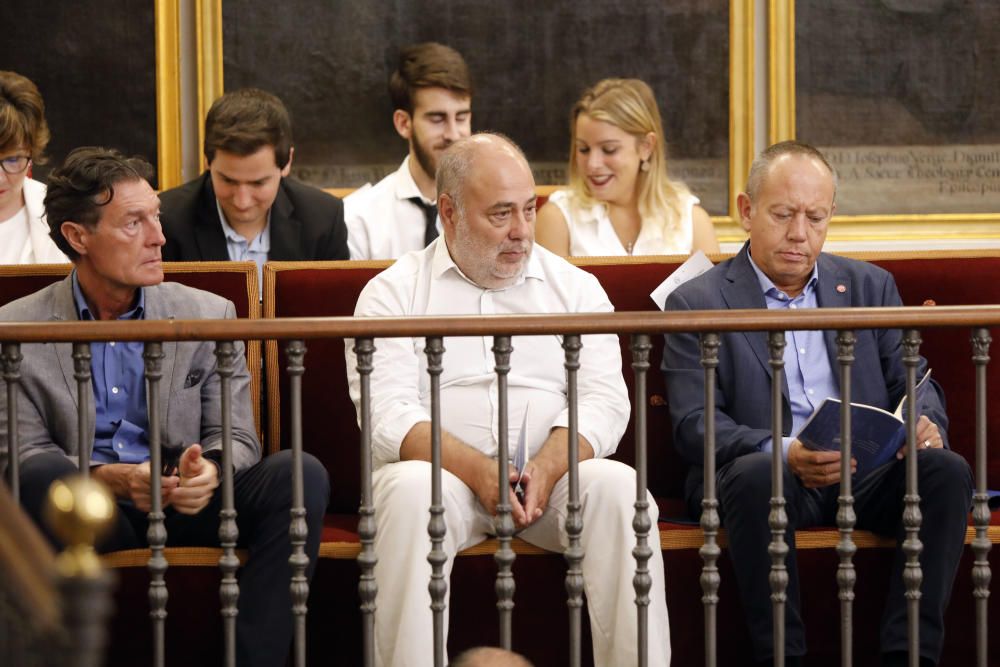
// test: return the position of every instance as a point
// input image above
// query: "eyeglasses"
(15, 164)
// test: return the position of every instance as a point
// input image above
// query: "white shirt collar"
(406, 187)
(442, 262)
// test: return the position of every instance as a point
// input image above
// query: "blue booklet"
(993, 500)
(876, 434)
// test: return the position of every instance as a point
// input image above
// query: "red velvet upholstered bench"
(330, 432)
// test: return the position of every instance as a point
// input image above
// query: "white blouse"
(27, 240)
(591, 232)
(14, 238)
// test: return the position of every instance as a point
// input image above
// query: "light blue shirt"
(241, 250)
(807, 367)
(117, 374)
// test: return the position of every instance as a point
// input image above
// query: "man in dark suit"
(786, 209)
(244, 207)
(104, 215)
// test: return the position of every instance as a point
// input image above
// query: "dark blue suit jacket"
(743, 385)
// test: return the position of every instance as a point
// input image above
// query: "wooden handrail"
(542, 324)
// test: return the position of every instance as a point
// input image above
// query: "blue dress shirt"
(121, 433)
(807, 366)
(240, 249)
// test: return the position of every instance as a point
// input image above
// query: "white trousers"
(403, 623)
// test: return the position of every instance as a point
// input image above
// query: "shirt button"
(810, 391)
(112, 344)
(114, 390)
(792, 305)
(802, 350)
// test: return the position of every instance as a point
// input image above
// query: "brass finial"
(79, 511)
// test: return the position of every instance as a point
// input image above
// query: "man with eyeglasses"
(24, 236)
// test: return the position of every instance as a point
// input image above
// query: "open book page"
(876, 434)
(693, 266)
(923, 386)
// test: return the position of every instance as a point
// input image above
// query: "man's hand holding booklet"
(876, 434)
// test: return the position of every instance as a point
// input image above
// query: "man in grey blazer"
(786, 209)
(104, 215)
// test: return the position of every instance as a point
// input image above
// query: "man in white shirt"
(486, 263)
(431, 93)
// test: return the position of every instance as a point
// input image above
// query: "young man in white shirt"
(431, 93)
(486, 262)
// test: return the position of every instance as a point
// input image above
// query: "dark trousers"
(263, 498)
(945, 486)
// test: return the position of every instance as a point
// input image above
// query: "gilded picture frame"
(890, 189)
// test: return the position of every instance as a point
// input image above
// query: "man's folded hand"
(815, 468)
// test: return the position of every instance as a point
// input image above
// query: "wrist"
(115, 476)
(214, 456)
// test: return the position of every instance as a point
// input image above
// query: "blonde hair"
(629, 105)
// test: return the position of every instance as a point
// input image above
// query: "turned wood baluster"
(503, 523)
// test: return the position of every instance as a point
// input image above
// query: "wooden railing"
(640, 325)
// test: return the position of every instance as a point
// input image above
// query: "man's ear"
(448, 212)
(75, 235)
(288, 167)
(403, 123)
(744, 206)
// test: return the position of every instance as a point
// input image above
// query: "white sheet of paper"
(521, 451)
(694, 266)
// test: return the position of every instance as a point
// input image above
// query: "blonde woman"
(620, 200)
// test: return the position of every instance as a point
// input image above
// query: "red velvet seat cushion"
(952, 281)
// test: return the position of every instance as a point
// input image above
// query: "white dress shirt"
(591, 232)
(382, 222)
(428, 282)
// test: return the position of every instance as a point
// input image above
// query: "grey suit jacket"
(743, 389)
(190, 397)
